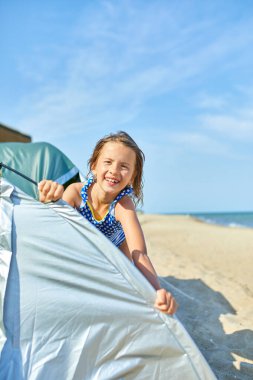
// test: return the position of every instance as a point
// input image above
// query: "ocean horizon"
(228, 219)
(243, 219)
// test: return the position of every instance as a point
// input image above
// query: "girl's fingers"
(161, 298)
(44, 186)
(41, 184)
(59, 192)
(165, 302)
(42, 197)
(50, 191)
(172, 306)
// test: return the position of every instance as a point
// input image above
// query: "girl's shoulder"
(125, 204)
(76, 187)
(126, 201)
(72, 194)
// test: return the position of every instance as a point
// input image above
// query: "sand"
(209, 270)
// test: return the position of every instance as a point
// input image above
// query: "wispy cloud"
(195, 140)
(210, 101)
(118, 57)
(227, 115)
(238, 126)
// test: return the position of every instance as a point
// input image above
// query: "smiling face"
(115, 167)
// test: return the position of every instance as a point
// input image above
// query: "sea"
(229, 219)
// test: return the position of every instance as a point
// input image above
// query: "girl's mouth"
(112, 181)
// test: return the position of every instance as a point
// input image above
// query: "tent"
(73, 307)
(38, 161)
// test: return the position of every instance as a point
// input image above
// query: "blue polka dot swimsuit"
(109, 226)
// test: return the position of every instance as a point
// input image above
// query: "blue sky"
(175, 75)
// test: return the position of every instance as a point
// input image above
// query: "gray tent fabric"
(37, 161)
(74, 307)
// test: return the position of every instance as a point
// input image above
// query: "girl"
(115, 177)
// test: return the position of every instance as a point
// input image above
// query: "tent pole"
(15, 171)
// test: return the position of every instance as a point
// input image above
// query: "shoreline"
(198, 217)
(233, 225)
(208, 268)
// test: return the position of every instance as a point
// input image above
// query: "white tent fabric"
(74, 307)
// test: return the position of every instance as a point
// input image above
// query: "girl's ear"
(93, 169)
(132, 179)
(94, 176)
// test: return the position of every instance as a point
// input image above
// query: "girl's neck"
(98, 198)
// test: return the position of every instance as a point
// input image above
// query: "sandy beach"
(209, 270)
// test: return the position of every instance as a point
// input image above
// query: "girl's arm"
(135, 248)
(52, 191)
(72, 194)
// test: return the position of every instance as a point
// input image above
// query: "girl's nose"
(114, 169)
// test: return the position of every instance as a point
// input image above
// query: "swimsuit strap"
(84, 191)
(126, 191)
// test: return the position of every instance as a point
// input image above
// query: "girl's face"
(115, 167)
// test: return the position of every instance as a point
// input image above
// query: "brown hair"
(123, 138)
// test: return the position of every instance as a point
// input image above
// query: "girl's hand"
(49, 191)
(165, 302)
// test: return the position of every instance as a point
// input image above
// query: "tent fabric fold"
(74, 307)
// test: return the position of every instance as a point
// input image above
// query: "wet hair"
(125, 139)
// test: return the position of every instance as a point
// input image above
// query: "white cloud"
(116, 58)
(207, 101)
(199, 142)
(227, 115)
(239, 126)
